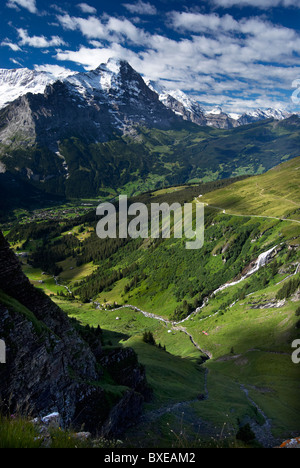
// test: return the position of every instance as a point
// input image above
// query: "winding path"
(249, 215)
(262, 432)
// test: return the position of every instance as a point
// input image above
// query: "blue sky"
(239, 55)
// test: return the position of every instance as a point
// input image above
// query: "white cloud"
(16, 62)
(55, 70)
(110, 28)
(85, 8)
(92, 58)
(128, 30)
(68, 22)
(141, 8)
(262, 4)
(30, 5)
(39, 41)
(197, 22)
(247, 40)
(96, 44)
(91, 27)
(12, 46)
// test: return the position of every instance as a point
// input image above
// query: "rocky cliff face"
(221, 120)
(49, 367)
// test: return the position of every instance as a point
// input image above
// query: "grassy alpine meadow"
(173, 356)
(274, 194)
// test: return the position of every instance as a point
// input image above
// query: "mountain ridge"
(15, 83)
(191, 110)
(95, 104)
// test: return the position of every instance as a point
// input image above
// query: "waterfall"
(260, 262)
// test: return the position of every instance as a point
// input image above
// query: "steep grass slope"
(275, 193)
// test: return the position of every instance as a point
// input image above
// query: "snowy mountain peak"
(112, 65)
(234, 116)
(109, 80)
(278, 114)
(20, 81)
(179, 102)
(113, 81)
(156, 87)
(189, 103)
(17, 82)
(263, 114)
(177, 94)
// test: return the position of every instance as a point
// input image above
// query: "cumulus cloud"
(91, 58)
(247, 40)
(262, 4)
(85, 8)
(39, 41)
(30, 5)
(141, 8)
(198, 22)
(11, 45)
(109, 28)
(55, 70)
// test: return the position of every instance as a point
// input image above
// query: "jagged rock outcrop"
(49, 367)
(219, 119)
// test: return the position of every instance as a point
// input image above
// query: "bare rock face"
(49, 367)
(17, 127)
(220, 120)
(126, 409)
(193, 113)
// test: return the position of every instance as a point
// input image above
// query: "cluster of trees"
(134, 282)
(182, 311)
(288, 288)
(47, 256)
(41, 231)
(102, 280)
(149, 339)
(93, 336)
